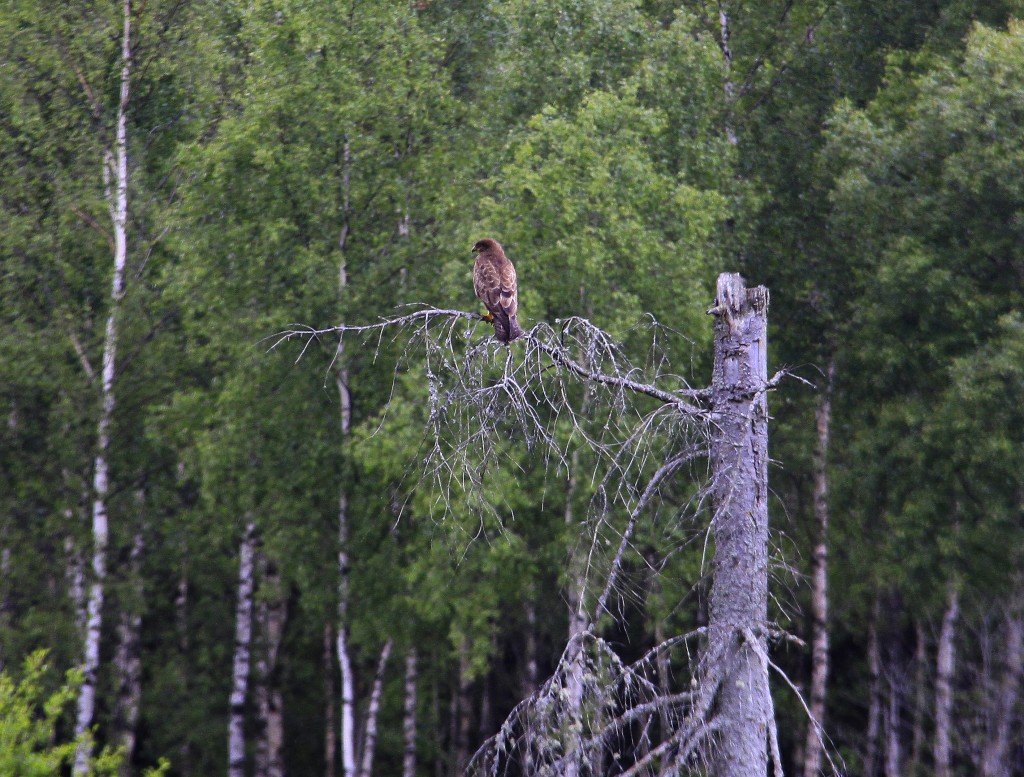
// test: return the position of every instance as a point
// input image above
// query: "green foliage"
(876, 188)
(31, 713)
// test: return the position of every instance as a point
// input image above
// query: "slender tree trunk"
(874, 728)
(128, 658)
(917, 743)
(576, 596)
(891, 721)
(348, 723)
(736, 652)
(819, 582)
(463, 711)
(75, 576)
(243, 639)
(531, 672)
(115, 177)
(272, 614)
(724, 38)
(945, 669)
(409, 716)
(372, 711)
(995, 757)
(183, 763)
(330, 734)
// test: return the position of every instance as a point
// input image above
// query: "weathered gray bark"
(115, 178)
(813, 747)
(242, 652)
(736, 651)
(995, 757)
(945, 668)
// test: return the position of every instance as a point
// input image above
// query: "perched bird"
(494, 281)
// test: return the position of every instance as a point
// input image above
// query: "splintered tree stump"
(736, 659)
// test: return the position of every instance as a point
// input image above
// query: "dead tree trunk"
(819, 582)
(736, 653)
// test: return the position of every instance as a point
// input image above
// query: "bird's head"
(487, 244)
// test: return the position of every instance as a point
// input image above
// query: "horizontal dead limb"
(558, 354)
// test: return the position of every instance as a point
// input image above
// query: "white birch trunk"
(348, 723)
(243, 640)
(735, 659)
(813, 747)
(409, 716)
(945, 668)
(128, 659)
(372, 711)
(115, 173)
(995, 757)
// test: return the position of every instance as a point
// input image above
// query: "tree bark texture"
(115, 178)
(736, 650)
(813, 747)
(240, 664)
(945, 669)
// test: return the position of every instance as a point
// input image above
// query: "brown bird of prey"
(494, 281)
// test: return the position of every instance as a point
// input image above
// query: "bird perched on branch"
(494, 281)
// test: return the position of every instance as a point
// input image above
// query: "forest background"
(237, 546)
